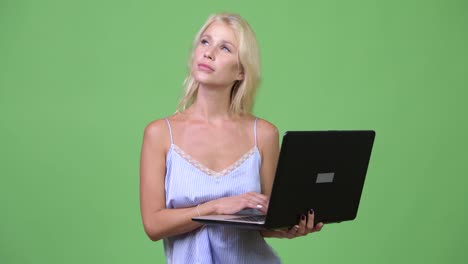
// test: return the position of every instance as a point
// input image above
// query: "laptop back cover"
(319, 170)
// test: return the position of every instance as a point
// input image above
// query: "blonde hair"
(243, 91)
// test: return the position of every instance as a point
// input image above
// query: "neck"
(212, 103)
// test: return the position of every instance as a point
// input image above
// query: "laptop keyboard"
(252, 218)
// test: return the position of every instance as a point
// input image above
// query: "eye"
(225, 49)
(204, 42)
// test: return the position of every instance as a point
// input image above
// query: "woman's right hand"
(234, 204)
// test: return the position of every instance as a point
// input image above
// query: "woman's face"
(215, 60)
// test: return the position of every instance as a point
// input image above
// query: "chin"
(204, 79)
(209, 80)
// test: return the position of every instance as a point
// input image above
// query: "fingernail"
(311, 211)
(259, 206)
(303, 217)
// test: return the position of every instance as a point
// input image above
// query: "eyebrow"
(223, 41)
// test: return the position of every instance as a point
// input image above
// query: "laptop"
(319, 170)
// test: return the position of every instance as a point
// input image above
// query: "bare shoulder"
(267, 133)
(157, 135)
(156, 128)
(266, 127)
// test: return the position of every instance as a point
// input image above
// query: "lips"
(205, 67)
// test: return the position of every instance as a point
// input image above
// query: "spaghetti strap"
(170, 129)
(255, 131)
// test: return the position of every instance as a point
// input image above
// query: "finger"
(249, 203)
(258, 196)
(260, 205)
(293, 231)
(256, 201)
(252, 198)
(254, 205)
(280, 234)
(318, 227)
(310, 221)
(302, 226)
(262, 209)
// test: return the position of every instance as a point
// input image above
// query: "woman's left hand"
(305, 226)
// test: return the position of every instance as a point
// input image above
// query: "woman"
(212, 156)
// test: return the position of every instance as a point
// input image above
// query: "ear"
(240, 76)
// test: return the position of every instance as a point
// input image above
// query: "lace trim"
(209, 171)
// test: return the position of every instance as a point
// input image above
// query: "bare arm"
(268, 143)
(158, 221)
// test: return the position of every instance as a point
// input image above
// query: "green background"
(81, 79)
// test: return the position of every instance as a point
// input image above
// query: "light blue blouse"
(189, 183)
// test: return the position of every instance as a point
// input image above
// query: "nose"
(209, 53)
